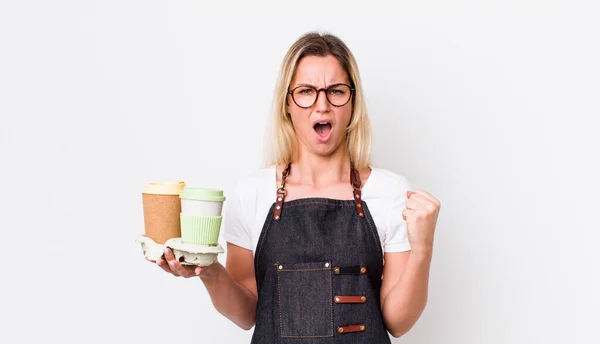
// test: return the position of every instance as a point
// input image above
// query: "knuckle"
(173, 268)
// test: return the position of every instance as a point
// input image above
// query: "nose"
(322, 104)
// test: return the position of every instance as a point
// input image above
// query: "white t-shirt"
(247, 208)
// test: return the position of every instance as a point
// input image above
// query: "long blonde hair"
(282, 144)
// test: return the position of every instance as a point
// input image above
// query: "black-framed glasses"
(306, 96)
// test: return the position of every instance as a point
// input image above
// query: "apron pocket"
(305, 300)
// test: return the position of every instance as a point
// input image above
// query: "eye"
(337, 91)
(305, 91)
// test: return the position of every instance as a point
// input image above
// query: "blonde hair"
(282, 143)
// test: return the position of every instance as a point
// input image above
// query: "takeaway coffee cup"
(162, 209)
(201, 215)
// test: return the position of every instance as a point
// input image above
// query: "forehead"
(319, 71)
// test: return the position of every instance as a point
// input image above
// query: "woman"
(306, 262)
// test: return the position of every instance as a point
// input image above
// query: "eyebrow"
(335, 83)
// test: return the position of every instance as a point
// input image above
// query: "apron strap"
(354, 181)
(281, 193)
(356, 186)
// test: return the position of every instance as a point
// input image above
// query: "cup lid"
(164, 188)
(202, 194)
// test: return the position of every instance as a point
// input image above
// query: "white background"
(491, 106)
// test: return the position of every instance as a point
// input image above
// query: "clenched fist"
(421, 215)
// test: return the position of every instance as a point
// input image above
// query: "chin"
(327, 149)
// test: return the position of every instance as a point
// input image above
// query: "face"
(321, 128)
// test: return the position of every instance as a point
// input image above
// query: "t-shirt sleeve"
(235, 225)
(396, 238)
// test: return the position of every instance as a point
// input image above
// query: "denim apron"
(318, 268)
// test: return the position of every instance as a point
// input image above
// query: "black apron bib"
(318, 268)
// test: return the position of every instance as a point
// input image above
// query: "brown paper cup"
(162, 208)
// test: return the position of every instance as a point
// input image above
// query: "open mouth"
(323, 129)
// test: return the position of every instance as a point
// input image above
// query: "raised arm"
(406, 275)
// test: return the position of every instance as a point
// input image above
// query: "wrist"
(212, 274)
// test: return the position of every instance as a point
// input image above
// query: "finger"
(163, 265)
(170, 260)
(409, 193)
(177, 268)
(150, 260)
(424, 201)
(427, 195)
(185, 271)
(413, 203)
(407, 213)
(168, 254)
(174, 269)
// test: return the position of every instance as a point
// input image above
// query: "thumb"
(409, 193)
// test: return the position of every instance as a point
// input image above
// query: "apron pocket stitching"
(293, 301)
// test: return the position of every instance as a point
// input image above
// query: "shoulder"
(385, 183)
(248, 193)
(261, 175)
(250, 185)
(385, 194)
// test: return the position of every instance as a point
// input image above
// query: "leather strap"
(350, 270)
(354, 180)
(351, 328)
(350, 299)
(281, 193)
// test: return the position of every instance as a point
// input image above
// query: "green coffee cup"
(200, 230)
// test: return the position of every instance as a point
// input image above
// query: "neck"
(315, 170)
